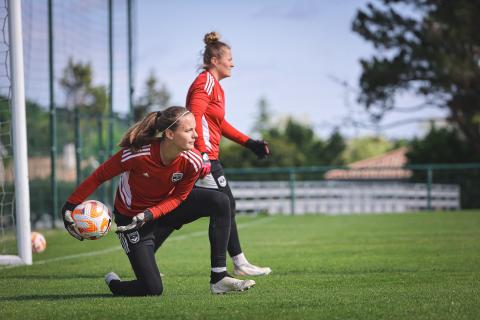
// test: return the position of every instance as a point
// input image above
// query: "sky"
(299, 55)
(293, 53)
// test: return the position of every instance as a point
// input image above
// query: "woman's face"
(185, 135)
(224, 64)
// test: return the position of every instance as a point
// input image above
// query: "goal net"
(15, 245)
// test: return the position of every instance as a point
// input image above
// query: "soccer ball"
(39, 244)
(92, 219)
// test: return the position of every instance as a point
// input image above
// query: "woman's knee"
(231, 199)
(233, 206)
(220, 203)
(155, 288)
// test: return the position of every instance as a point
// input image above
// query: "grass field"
(406, 266)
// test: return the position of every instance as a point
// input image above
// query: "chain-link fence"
(77, 62)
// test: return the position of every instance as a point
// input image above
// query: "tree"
(365, 147)
(429, 47)
(77, 82)
(444, 145)
(84, 99)
(293, 144)
(262, 124)
(155, 97)
(81, 94)
(334, 147)
(441, 145)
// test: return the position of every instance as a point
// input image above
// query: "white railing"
(342, 197)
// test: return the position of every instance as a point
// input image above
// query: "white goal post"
(19, 133)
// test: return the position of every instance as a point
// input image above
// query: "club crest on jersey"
(133, 237)
(222, 181)
(177, 176)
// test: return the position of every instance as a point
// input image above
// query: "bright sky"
(284, 50)
(294, 53)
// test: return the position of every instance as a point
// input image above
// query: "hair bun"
(211, 37)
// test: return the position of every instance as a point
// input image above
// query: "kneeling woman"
(154, 192)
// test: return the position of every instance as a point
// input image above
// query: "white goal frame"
(19, 133)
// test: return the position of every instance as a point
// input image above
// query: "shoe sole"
(233, 291)
(243, 274)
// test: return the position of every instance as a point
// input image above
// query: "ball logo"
(133, 237)
(92, 219)
(177, 176)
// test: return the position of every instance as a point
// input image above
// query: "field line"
(118, 247)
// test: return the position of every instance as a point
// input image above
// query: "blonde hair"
(213, 48)
(145, 131)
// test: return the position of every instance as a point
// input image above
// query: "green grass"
(405, 266)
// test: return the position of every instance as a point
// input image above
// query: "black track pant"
(140, 244)
(217, 181)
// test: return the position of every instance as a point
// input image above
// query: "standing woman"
(206, 100)
(155, 192)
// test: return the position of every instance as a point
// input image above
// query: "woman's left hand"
(259, 147)
(206, 166)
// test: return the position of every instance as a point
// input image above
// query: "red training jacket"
(206, 100)
(145, 182)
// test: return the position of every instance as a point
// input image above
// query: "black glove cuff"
(68, 206)
(250, 143)
(148, 215)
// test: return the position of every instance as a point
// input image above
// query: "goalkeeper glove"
(137, 222)
(259, 147)
(68, 221)
(206, 166)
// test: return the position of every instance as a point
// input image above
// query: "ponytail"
(141, 133)
(146, 131)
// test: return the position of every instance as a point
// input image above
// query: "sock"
(112, 285)
(239, 259)
(217, 276)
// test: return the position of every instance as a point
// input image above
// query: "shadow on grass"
(344, 272)
(53, 276)
(57, 297)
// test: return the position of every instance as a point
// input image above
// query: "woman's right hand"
(137, 222)
(68, 222)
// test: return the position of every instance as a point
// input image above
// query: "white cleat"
(229, 284)
(111, 276)
(251, 270)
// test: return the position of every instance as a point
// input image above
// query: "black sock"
(217, 276)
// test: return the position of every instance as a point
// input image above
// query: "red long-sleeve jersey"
(145, 182)
(206, 100)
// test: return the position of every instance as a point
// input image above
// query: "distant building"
(39, 167)
(387, 166)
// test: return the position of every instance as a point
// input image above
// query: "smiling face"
(222, 66)
(184, 135)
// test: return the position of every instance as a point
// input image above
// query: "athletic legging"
(218, 182)
(140, 244)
